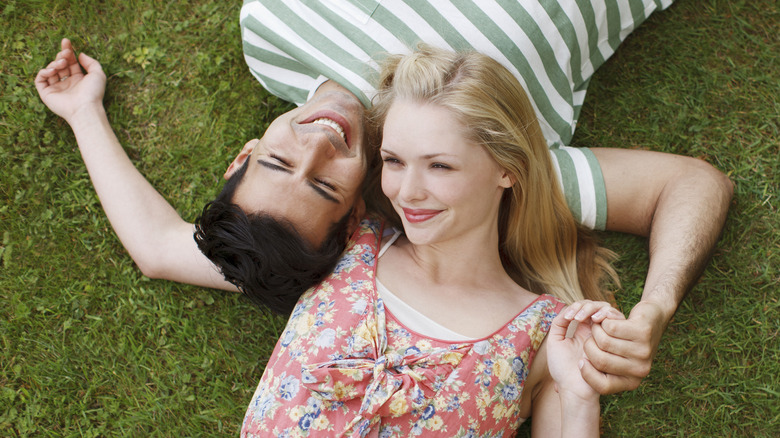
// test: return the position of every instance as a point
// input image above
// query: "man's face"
(308, 166)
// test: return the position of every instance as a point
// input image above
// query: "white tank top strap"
(389, 243)
(413, 320)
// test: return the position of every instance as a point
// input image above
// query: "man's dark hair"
(264, 257)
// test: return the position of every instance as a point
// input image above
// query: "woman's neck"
(460, 260)
(459, 284)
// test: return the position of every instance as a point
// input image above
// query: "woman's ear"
(507, 180)
(241, 158)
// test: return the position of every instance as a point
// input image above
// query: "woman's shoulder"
(546, 308)
(556, 303)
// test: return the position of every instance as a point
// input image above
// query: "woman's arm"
(157, 238)
(566, 405)
(563, 414)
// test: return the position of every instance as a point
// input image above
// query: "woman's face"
(440, 183)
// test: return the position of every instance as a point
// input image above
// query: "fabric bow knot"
(389, 385)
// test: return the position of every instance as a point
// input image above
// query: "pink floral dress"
(346, 367)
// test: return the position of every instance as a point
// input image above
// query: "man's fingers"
(47, 76)
(625, 329)
(54, 78)
(60, 67)
(617, 346)
(75, 68)
(606, 383)
(69, 55)
(644, 322)
(57, 64)
(66, 51)
(66, 44)
(614, 364)
(42, 78)
(603, 361)
(626, 338)
(71, 66)
(64, 66)
(91, 65)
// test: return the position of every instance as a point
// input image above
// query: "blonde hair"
(539, 238)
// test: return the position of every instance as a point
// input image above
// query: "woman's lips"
(414, 215)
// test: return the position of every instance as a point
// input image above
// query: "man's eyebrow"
(321, 192)
(325, 195)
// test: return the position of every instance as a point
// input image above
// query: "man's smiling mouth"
(332, 124)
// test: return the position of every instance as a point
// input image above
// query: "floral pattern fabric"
(344, 366)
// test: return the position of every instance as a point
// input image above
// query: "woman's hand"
(65, 89)
(565, 355)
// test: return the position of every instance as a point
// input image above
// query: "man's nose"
(320, 145)
(315, 150)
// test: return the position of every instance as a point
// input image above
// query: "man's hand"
(65, 89)
(565, 354)
(620, 352)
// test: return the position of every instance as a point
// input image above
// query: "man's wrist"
(86, 116)
(664, 298)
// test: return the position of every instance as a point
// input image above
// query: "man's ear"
(358, 212)
(241, 158)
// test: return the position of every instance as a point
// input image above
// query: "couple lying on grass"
(440, 336)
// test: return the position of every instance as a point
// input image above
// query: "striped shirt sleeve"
(582, 183)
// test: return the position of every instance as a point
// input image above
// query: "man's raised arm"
(680, 203)
(157, 238)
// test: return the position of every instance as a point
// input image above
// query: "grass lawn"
(89, 347)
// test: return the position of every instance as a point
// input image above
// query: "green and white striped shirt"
(552, 47)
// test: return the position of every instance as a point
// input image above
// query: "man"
(679, 202)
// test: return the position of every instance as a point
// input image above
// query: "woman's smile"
(418, 215)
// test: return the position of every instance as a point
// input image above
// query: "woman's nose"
(412, 187)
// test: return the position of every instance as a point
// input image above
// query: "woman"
(438, 338)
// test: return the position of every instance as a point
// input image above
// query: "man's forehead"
(294, 203)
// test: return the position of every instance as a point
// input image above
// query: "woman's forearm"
(579, 416)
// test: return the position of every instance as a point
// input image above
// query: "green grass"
(89, 347)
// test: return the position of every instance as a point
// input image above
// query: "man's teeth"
(332, 124)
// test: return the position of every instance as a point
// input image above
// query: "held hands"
(565, 355)
(620, 352)
(65, 89)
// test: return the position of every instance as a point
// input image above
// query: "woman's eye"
(391, 160)
(440, 166)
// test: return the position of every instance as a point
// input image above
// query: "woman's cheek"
(389, 183)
